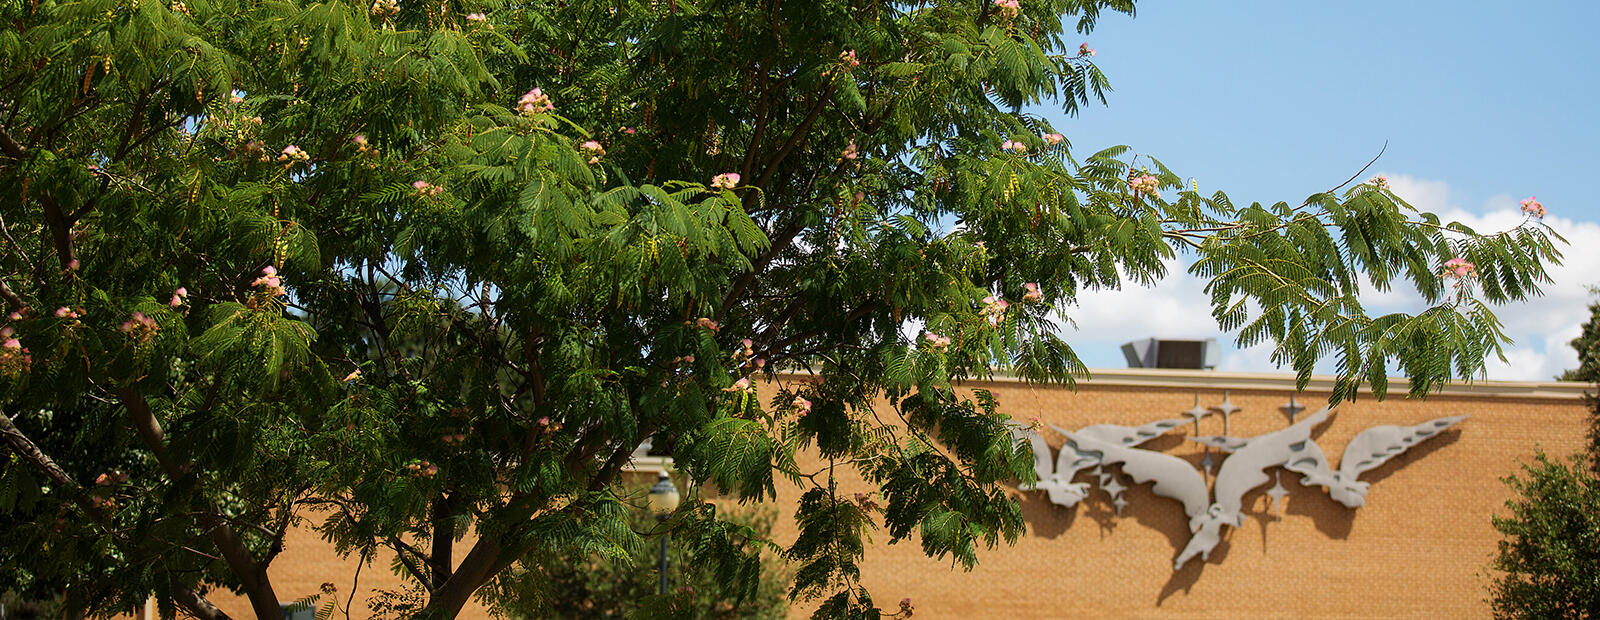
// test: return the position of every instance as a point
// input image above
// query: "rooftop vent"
(1156, 353)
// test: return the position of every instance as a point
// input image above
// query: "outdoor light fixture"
(663, 496)
(663, 499)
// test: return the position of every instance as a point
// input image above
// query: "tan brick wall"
(1418, 549)
(308, 561)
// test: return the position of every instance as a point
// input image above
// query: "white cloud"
(1257, 358)
(1177, 307)
(1539, 328)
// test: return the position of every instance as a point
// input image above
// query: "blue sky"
(1480, 103)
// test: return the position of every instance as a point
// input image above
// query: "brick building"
(1419, 548)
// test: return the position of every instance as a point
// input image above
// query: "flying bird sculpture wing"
(1055, 481)
(1374, 447)
(1312, 464)
(1128, 435)
(1246, 469)
(1173, 477)
(1223, 442)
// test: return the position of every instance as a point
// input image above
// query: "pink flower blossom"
(534, 102)
(269, 280)
(1007, 9)
(355, 375)
(741, 386)
(15, 315)
(385, 8)
(140, 326)
(63, 312)
(848, 59)
(293, 154)
(802, 405)
(726, 180)
(1085, 50)
(1379, 181)
(6, 332)
(1053, 139)
(1032, 293)
(1531, 206)
(1459, 268)
(628, 130)
(544, 421)
(850, 151)
(994, 308)
(425, 188)
(14, 358)
(477, 17)
(360, 139)
(937, 342)
(73, 264)
(707, 323)
(595, 151)
(1146, 184)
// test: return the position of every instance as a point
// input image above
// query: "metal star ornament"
(1292, 409)
(1227, 409)
(1277, 492)
(1197, 412)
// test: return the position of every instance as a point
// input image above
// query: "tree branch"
(400, 551)
(12, 300)
(794, 138)
(10, 146)
(444, 537)
(252, 575)
(488, 556)
(31, 453)
(187, 598)
(195, 604)
(60, 230)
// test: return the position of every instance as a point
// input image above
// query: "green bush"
(597, 586)
(1550, 556)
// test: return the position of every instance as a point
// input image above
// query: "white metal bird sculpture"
(1243, 470)
(1056, 479)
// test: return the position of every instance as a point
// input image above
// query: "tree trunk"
(252, 575)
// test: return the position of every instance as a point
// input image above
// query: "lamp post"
(663, 499)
